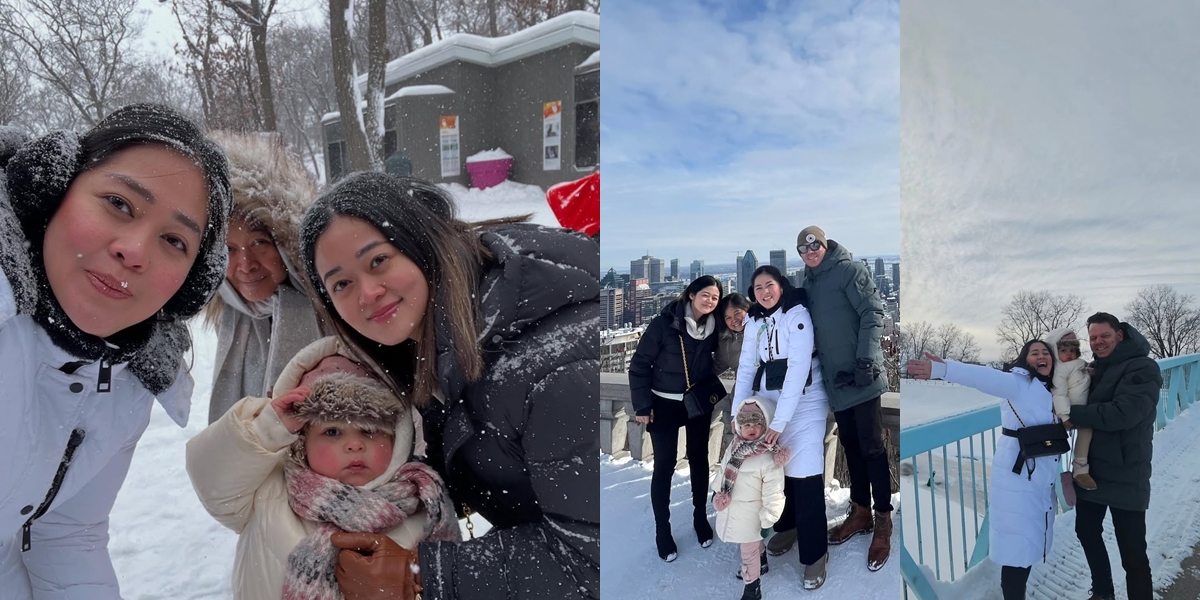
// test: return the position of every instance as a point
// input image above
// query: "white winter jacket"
(756, 500)
(40, 407)
(1021, 507)
(1071, 380)
(236, 468)
(801, 406)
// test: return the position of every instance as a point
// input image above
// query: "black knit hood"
(36, 178)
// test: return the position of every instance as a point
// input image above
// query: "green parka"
(847, 316)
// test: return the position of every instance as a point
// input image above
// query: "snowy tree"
(15, 91)
(256, 15)
(359, 152)
(79, 48)
(304, 93)
(1168, 319)
(1031, 315)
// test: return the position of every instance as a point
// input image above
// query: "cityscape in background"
(630, 299)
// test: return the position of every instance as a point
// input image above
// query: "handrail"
(961, 434)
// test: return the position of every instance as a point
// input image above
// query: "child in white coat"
(749, 489)
(325, 456)
(1070, 388)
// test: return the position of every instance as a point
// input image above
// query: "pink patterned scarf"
(339, 506)
(741, 450)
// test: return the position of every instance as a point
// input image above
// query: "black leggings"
(1012, 582)
(669, 416)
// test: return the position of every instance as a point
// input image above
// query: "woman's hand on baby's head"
(283, 406)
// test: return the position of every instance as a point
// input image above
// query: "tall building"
(697, 269)
(882, 284)
(635, 295)
(796, 278)
(610, 279)
(675, 269)
(747, 263)
(640, 268)
(612, 307)
(879, 267)
(896, 275)
(655, 275)
(779, 261)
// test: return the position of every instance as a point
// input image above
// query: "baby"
(327, 455)
(749, 490)
(1071, 382)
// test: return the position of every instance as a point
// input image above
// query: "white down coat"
(801, 410)
(1021, 508)
(756, 501)
(39, 408)
(236, 467)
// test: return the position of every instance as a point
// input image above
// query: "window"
(587, 120)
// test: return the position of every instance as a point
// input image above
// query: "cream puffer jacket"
(756, 501)
(236, 467)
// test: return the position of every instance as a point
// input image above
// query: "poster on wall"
(552, 136)
(448, 126)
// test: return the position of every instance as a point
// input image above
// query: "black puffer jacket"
(658, 362)
(519, 446)
(1121, 410)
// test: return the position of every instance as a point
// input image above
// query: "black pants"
(1130, 527)
(804, 511)
(860, 431)
(1012, 582)
(669, 416)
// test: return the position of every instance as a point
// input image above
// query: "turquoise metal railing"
(945, 455)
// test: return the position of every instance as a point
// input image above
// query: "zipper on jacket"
(104, 381)
(72, 445)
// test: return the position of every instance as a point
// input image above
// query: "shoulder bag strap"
(686, 378)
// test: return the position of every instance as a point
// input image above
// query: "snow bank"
(504, 200)
(632, 570)
(925, 401)
(494, 154)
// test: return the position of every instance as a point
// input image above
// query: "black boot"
(704, 532)
(666, 545)
(763, 568)
(753, 591)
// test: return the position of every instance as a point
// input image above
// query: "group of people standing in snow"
(381, 368)
(1112, 405)
(798, 354)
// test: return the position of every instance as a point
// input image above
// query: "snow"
(631, 568)
(420, 90)
(504, 200)
(493, 154)
(926, 401)
(1172, 521)
(594, 59)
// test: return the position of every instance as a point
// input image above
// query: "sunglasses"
(813, 247)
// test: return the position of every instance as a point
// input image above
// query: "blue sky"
(728, 126)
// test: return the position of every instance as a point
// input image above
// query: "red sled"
(576, 204)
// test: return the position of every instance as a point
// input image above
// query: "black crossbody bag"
(699, 399)
(1037, 441)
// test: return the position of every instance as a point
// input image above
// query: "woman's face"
(125, 237)
(705, 301)
(255, 266)
(767, 291)
(1039, 359)
(735, 318)
(378, 291)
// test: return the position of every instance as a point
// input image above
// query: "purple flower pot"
(487, 173)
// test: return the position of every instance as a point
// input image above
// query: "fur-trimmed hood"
(270, 189)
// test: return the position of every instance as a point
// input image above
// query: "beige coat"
(236, 467)
(756, 501)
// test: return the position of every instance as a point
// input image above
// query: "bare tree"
(376, 67)
(305, 91)
(256, 14)
(950, 341)
(15, 90)
(80, 48)
(915, 339)
(345, 83)
(1170, 320)
(1032, 314)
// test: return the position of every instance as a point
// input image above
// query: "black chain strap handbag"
(699, 399)
(1037, 441)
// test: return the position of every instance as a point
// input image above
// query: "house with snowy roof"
(534, 94)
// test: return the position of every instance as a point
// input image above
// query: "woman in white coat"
(778, 363)
(1021, 508)
(109, 242)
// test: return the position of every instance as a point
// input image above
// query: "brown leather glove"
(372, 566)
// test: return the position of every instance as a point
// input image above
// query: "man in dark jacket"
(847, 316)
(1121, 411)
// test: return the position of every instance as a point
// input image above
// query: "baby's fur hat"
(360, 402)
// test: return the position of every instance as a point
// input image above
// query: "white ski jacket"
(1021, 507)
(45, 408)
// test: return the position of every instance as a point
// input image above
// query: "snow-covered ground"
(163, 544)
(1172, 522)
(925, 401)
(631, 569)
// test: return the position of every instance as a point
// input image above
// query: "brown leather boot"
(881, 542)
(857, 521)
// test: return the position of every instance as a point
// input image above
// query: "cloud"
(1046, 147)
(727, 129)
